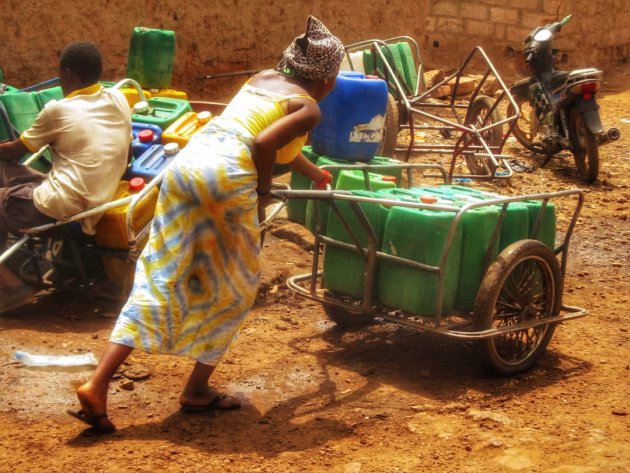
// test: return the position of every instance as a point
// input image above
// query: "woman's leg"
(197, 393)
(93, 394)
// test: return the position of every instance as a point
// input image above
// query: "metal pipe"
(428, 324)
(35, 155)
(40, 85)
(613, 134)
(13, 248)
(221, 75)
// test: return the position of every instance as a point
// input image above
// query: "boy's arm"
(12, 150)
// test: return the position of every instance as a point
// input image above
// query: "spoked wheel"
(387, 147)
(526, 127)
(345, 318)
(522, 285)
(585, 150)
(477, 115)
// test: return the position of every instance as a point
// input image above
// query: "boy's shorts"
(17, 209)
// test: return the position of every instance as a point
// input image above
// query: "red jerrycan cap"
(389, 178)
(428, 199)
(136, 184)
(371, 76)
(145, 136)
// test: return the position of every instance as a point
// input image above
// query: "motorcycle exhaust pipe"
(612, 134)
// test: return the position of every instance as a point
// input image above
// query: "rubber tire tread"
(346, 318)
(390, 129)
(489, 291)
(480, 103)
(587, 165)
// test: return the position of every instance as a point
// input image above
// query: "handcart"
(59, 255)
(477, 124)
(519, 298)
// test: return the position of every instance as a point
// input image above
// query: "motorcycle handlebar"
(554, 28)
(557, 26)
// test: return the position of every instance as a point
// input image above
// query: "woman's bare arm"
(305, 116)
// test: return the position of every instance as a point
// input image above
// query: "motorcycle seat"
(558, 79)
(521, 87)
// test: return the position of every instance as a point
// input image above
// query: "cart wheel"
(585, 150)
(476, 115)
(28, 266)
(345, 318)
(390, 129)
(526, 127)
(521, 285)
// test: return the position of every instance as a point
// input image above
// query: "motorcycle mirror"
(542, 35)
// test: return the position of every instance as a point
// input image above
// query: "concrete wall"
(221, 36)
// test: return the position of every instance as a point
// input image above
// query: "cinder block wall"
(598, 34)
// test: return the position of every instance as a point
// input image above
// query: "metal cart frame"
(477, 123)
(473, 326)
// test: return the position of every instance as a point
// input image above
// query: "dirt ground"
(377, 399)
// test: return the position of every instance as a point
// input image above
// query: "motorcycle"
(558, 109)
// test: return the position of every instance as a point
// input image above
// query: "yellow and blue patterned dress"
(198, 275)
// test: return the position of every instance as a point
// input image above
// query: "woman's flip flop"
(214, 405)
(100, 424)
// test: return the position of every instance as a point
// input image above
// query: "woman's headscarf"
(315, 55)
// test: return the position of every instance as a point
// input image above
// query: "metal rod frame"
(372, 256)
(417, 104)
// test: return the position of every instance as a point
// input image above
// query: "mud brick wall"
(598, 35)
(213, 36)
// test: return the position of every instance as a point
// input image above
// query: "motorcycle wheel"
(526, 127)
(477, 112)
(585, 150)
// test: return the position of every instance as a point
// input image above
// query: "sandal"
(100, 424)
(217, 404)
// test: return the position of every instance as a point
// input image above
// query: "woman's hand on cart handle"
(325, 180)
(264, 199)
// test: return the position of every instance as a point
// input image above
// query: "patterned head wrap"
(315, 55)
